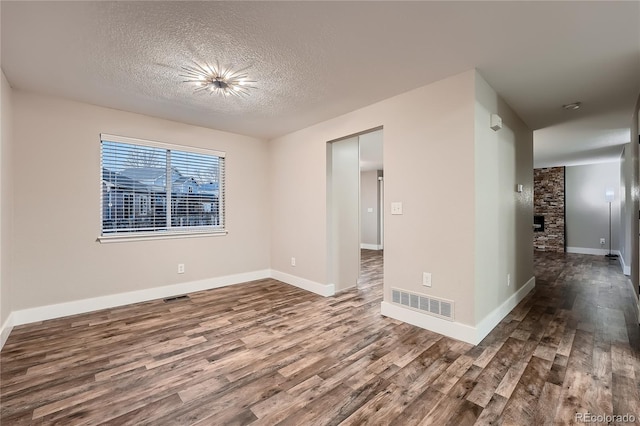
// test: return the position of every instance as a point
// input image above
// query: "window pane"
(195, 189)
(135, 189)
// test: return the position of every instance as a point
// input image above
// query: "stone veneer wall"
(548, 201)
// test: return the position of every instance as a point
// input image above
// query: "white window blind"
(151, 189)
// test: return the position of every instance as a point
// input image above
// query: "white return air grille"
(426, 304)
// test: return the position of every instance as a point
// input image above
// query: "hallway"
(586, 306)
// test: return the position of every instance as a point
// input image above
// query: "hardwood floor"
(266, 353)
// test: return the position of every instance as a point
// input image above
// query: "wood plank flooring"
(266, 353)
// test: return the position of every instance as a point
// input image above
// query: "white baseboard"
(456, 330)
(371, 246)
(42, 313)
(626, 269)
(601, 252)
(597, 252)
(305, 284)
(489, 322)
(452, 329)
(587, 250)
(6, 330)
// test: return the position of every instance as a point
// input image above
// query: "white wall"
(503, 217)
(6, 202)
(587, 211)
(429, 162)
(57, 206)
(369, 199)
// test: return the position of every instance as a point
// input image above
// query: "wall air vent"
(434, 306)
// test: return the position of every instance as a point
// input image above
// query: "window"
(150, 189)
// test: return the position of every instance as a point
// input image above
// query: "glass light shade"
(609, 195)
(216, 79)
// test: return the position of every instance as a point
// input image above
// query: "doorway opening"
(355, 218)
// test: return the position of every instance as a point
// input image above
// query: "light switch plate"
(396, 208)
(426, 279)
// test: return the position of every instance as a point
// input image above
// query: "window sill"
(121, 238)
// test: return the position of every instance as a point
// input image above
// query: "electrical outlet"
(602, 241)
(293, 261)
(508, 280)
(181, 268)
(426, 279)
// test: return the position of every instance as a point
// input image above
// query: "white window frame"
(177, 232)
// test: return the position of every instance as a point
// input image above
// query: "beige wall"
(57, 209)
(369, 226)
(503, 217)
(6, 199)
(429, 163)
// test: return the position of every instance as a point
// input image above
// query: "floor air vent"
(175, 298)
(426, 304)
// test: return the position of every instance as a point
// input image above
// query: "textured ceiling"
(315, 60)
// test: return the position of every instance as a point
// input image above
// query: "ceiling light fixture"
(572, 106)
(219, 80)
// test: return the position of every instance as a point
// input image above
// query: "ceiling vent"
(430, 305)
